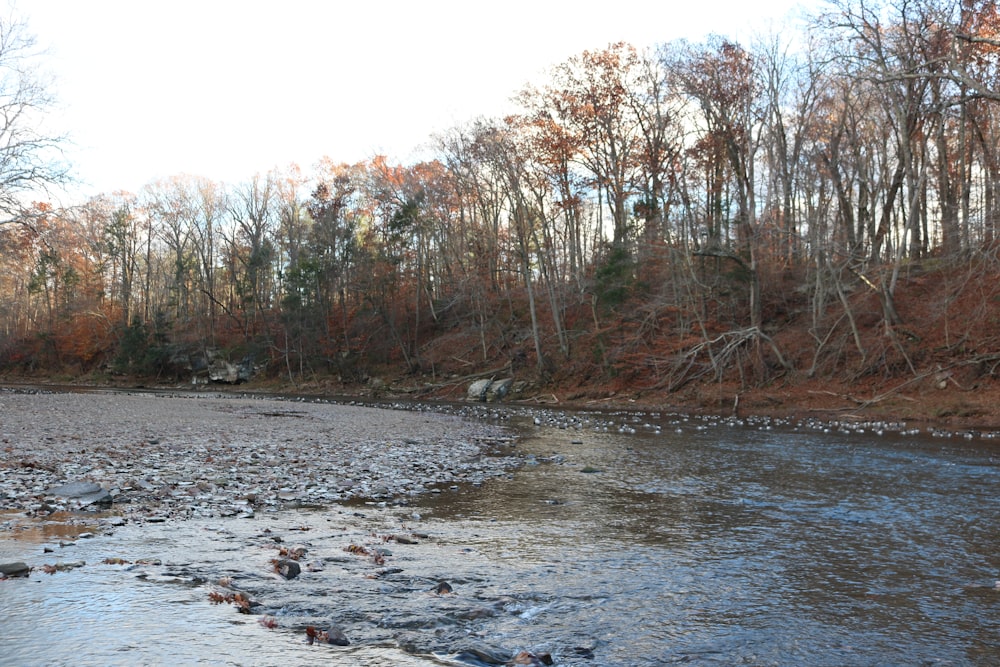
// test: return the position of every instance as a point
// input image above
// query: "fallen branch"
(865, 403)
(542, 399)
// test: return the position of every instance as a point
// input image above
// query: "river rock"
(531, 660)
(498, 389)
(17, 569)
(288, 569)
(84, 493)
(102, 498)
(336, 636)
(74, 489)
(332, 635)
(489, 390)
(477, 390)
(482, 654)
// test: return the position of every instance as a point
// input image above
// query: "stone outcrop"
(490, 390)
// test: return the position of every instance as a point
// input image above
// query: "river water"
(624, 540)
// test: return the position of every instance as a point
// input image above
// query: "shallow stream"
(625, 540)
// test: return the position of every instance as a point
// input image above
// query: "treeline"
(667, 208)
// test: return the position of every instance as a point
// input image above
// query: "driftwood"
(547, 398)
(862, 403)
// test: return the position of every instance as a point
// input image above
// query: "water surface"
(623, 541)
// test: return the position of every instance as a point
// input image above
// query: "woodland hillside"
(806, 222)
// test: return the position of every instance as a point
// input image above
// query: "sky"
(148, 89)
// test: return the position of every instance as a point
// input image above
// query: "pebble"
(159, 456)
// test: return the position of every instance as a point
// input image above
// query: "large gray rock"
(221, 370)
(478, 389)
(17, 569)
(288, 569)
(74, 489)
(489, 390)
(83, 493)
(498, 389)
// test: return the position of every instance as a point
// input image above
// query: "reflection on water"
(58, 526)
(731, 544)
(713, 546)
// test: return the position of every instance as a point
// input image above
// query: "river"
(624, 540)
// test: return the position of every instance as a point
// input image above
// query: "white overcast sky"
(227, 89)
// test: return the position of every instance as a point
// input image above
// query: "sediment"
(162, 456)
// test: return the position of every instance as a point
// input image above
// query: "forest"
(820, 205)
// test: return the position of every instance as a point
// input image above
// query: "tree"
(321, 275)
(172, 221)
(30, 156)
(591, 99)
(250, 245)
(972, 59)
(122, 242)
(722, 80)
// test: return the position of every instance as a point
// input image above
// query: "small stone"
(336, 637)
(531, 660)
(333, 635)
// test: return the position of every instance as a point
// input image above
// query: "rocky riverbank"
(186, 489)
(157, 457)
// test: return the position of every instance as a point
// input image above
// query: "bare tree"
(30, 156)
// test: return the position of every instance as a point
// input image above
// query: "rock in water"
(336, 637)
(289, 569)
(483, 655)
(529, 659)
(100, 498)
(17, 569)
(333, 636)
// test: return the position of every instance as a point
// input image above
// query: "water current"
(626, 540)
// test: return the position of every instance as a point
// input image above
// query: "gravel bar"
(162, 456)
